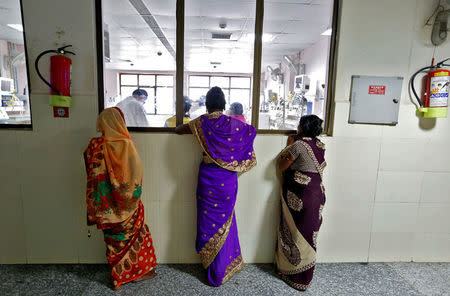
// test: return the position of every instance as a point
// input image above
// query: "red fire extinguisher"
(60, 80)
(434, 102)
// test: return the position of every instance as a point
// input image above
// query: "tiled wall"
(388, 192)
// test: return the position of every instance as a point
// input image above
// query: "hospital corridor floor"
(254, 279)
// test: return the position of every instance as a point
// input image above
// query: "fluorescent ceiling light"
(251, 37)
(17, 27)
(327, 32)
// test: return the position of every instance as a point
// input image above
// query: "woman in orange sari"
(114, 187)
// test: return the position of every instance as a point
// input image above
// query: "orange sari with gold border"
(114, 187)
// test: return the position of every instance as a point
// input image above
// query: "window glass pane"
(126, 79)
(146, 80)
(228, 53)
(134, 50)
(150, 102)
(164, 102)
(198, 97)
(199, 81)
(294, 63)
(14, 91)
(226, 92)
(164, 80)
(127, 91)
(223, 82)
(242, 97)
(240, 82)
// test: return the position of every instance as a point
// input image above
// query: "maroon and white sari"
(302, 201)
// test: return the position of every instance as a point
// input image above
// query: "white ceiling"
(291, 24)
(10, 14)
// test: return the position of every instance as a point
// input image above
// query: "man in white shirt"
(133, 109)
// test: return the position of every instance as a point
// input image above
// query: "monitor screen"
(5, 85)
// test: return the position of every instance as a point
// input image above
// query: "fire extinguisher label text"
(439, 86)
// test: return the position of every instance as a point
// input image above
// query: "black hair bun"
(311, 126)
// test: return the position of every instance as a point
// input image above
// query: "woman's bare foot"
(149, 275)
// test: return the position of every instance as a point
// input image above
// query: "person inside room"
(133, 109)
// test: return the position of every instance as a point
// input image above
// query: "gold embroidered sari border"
(235, 166)
(234, 267)
(209, 252)
(299, 270)
(294, 285)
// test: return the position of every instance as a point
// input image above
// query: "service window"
(14, 87)
(295, 62)
(138, 62)
(272, 80)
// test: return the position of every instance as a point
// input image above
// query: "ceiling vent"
(221, 36)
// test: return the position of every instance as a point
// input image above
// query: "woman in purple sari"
(227, 146)
(302, 164)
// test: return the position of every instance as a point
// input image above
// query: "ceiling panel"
(290, 11)
(10, 14)
(117, 7)
(305, 27)
(227, 9)
(162, 7)
(293, 26)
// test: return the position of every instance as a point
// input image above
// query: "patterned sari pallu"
(114, 187)
(302, 201)
(227, 145)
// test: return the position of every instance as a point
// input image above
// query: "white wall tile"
(391, 246)
(434, 218)
(356, 155)
(342, 246)
(363, 54)
(403, 155)
(167, 247)
(360, 188)
(168, 224)
(431, 247)
(399, 186)
(353, 217)
(49, 219)
(409, 125)
(13, 246)
(436, 188)
(394, 217)
(437, 157)
(342, 128)
(9, 156)
(187, 252)
(152, 215)
(91, 249)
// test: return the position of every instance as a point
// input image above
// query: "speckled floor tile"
(254, 279)
(443, 269)
(426, 279)
(41, 279)
(358, 279)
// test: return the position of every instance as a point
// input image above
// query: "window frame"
(229, 76)
(154, 88)
(255, 76)
(25, 126)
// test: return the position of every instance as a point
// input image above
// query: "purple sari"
(302, 202)
(227, 145)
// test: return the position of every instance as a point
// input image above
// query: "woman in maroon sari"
(227, 145)
(303, 197)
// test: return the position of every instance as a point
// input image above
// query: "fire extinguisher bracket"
(433, 112)
(60, 101)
